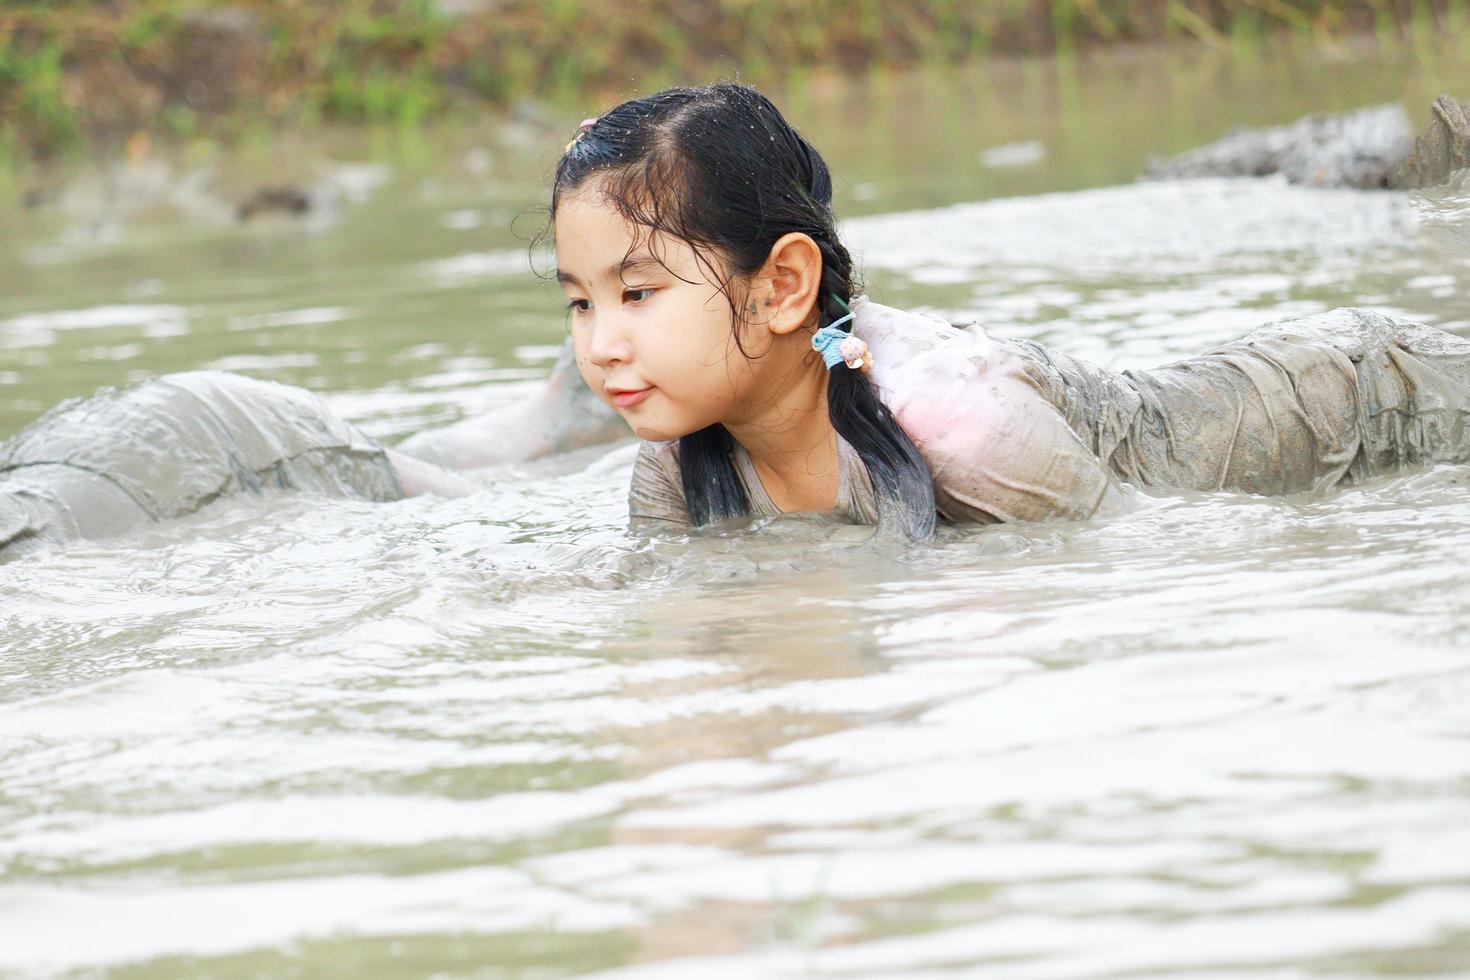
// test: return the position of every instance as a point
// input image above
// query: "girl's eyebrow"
(618, 270)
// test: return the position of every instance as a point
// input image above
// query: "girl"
(712, 306)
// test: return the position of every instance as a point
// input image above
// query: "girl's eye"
(637, 295)
(579, 306)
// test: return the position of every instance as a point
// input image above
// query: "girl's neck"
(790, 438)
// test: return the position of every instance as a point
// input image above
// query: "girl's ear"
(789, 283)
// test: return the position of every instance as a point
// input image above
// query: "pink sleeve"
(998, 450)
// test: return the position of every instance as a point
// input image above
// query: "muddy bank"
(79, 75)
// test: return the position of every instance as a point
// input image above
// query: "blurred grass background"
(78, 76)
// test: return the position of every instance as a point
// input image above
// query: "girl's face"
(650, 324)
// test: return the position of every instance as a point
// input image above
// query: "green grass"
(31, 91)
(74, 73)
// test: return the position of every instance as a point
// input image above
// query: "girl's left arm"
(418, 477)
(997, 449)
(560, 415)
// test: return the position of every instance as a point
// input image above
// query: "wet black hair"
(720, 168)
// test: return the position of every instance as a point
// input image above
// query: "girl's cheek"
(588, 372)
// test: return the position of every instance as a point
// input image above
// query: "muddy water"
(1217, 736)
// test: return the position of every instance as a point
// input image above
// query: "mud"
(1371, 148)
(1441, 150)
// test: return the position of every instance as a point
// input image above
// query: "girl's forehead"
(588, 225)
(593, 239)
(582, 212)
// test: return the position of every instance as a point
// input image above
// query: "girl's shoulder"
(898, 338)
(660, 455)
(919, 353)
(996, 448)
(656, 493)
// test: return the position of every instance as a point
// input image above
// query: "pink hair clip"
(855, 353)
(582, 127)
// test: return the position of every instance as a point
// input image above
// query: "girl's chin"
(650, 432)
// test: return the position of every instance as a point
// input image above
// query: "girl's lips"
(627, 399)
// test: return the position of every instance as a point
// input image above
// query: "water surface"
(1218, 736)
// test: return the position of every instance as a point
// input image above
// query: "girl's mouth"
(627, 399)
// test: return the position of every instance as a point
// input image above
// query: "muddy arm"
(561, 416)
(417, 477)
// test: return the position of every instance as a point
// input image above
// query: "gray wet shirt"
(1013, 431)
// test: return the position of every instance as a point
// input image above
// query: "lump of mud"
(1441, 150)
(1355, 149)
(277, 200)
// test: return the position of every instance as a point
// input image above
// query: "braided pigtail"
(712, 488)
(902, 484)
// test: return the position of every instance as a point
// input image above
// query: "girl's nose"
(609, 342)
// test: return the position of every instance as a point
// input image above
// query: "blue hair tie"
(827, 340)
